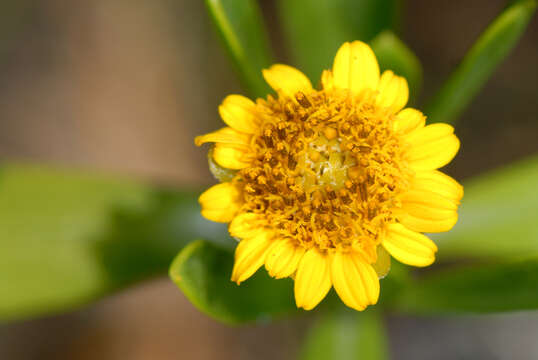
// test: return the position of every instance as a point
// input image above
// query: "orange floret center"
(327, 170)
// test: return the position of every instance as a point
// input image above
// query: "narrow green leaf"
(240, 26)
(474, 289)
(498, 216)
(347, 335)
(69, 238)
(480, 62)
(394, 55)
(315, 29)
(202, 271)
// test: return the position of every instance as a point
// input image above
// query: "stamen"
(327, 170)
(301, 99)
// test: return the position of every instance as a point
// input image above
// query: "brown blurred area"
(124, 86)
(121, 86)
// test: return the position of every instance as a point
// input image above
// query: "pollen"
(326, 172)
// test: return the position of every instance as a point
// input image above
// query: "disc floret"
(327, 170)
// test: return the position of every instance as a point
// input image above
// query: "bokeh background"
(123, 86)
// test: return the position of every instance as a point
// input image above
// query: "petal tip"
(355, 67)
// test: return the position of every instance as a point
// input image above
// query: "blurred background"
(123, 87)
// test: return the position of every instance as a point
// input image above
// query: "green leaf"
(241, 29)
(498, 215)
(347, 335)
(480, 62)
(314, 30)
(474, 289)
(202, 271)
(69, 238)
(394, 55)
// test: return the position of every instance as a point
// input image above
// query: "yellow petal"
(425, 211)
(355, 281)
(393, 92)
(282, 258)
(313, 280)
(382, 264)
(438, 183)
(232, 156)
(286, 80)
(250, 256)
(429, 134)
(221, 202)
(434, 155)
(355, 67)
(327, 80)
(408, 120)
(432, 147)
(409, 247)
(239, 113)
(428, 199)
(426, 224)
(246, 225)
(225, 135)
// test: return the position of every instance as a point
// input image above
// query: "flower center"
(327, 170)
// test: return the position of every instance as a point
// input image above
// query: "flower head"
(321, 184)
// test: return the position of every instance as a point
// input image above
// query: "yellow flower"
(325, 182)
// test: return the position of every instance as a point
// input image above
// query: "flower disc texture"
(322, 185)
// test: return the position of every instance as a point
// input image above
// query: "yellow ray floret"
(224, 136)
(354, 280)
(438, 183)
(283, 257)
(250, 256)
(355, 68)
(393, 92)
(286, 80)
(409, 247)
(313, 279)
(328, 184)
(221, 202)
(433, 146)
(239, 113)
(408, 121)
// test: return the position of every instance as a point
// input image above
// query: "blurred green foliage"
(240, 26)
(482, 59)
(478, 288)
(67, 238)
(314, 30)
(346, 335)
(498, 216)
